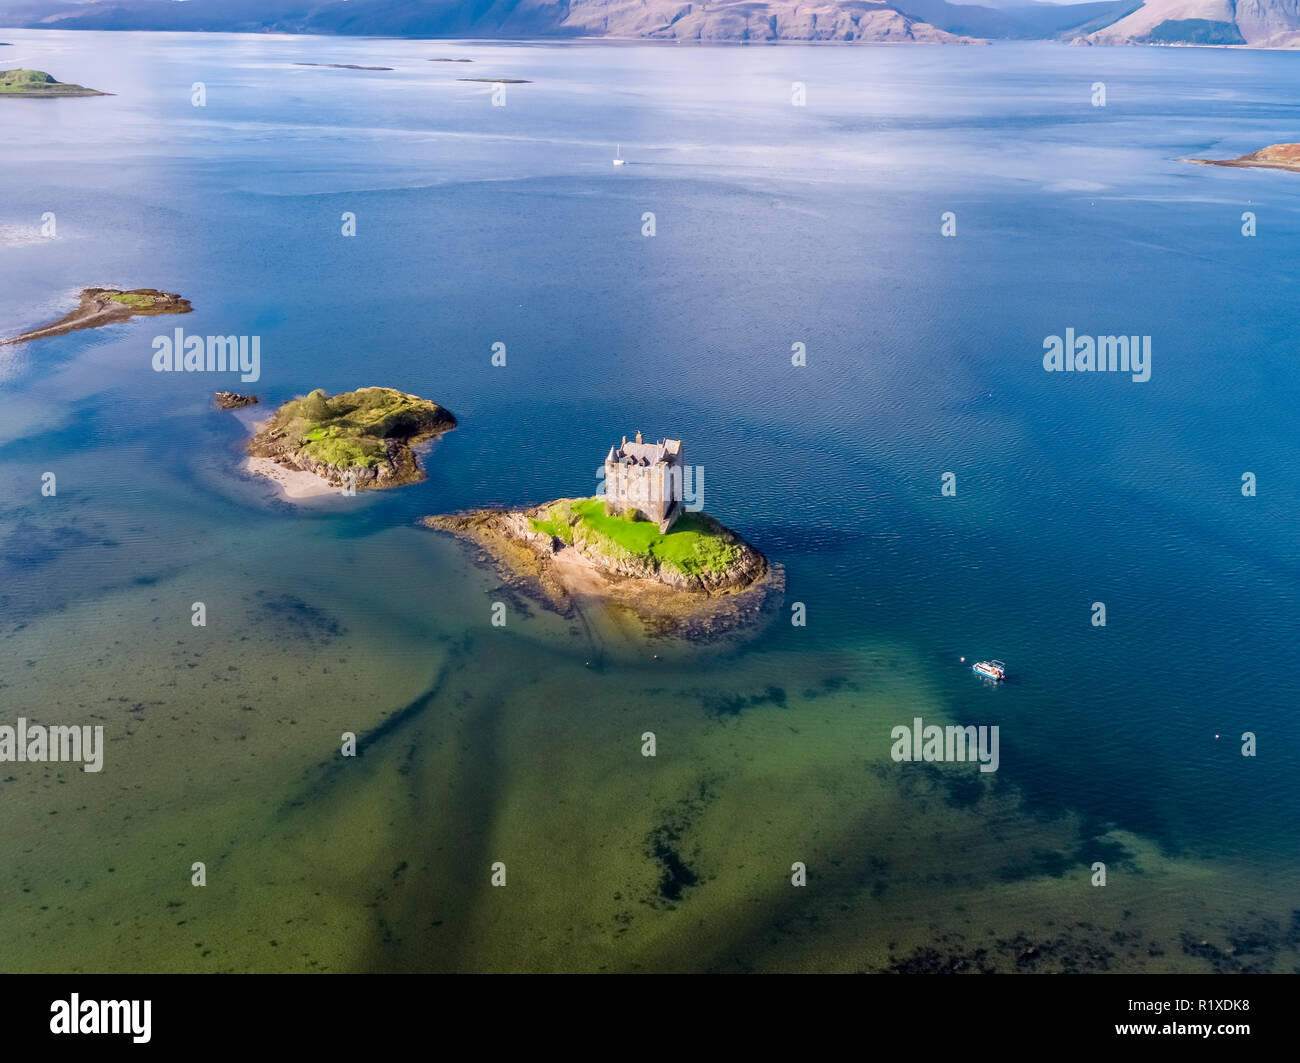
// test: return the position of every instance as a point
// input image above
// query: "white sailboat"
(618, 156)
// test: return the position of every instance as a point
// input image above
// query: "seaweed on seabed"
(664, 844)
(931, 961)
(675, 875)
(733, 705)
(300, 619)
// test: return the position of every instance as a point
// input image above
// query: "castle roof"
(666, 451)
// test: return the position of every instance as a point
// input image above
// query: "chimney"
(638, 437)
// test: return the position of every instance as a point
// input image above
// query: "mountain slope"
(717, 20)
(1019, 21)
(1260, 23)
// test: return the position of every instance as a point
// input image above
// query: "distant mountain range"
(1258, 23)
(724, 20)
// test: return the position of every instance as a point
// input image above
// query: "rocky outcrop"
(564, 573)
(106, 306)
(228, 400)
(398, 467)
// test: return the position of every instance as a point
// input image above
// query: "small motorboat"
(990, 669)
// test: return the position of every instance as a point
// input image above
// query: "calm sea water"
(774, 225)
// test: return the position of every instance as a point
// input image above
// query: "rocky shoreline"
(229, 400)
(566, 576)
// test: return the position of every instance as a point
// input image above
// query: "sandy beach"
(293, 485)
(290, 485)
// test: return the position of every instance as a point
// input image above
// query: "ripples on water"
(775, 225)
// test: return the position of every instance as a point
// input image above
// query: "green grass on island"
(139, 299)
(350, 429)
(694, 545)
(25, 80)
(39, 83)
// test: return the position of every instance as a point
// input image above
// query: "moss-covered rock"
(230, 400)
(696, 553)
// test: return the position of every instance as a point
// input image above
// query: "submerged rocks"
(356, 439)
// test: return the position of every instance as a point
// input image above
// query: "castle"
(645, 480)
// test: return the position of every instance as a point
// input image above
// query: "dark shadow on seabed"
(451, 880)
(445, 747)
(447, 902)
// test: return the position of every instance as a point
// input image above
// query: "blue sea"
(773, 224)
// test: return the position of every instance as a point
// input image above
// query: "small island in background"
(360, 439)
(38, 84)
(1273, 157)
(636, 549)
(345, 66)
(105, 306)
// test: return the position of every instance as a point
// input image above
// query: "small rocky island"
(697, 580)
(38, 84)
(105, 306)
(637, 551)
(1273, 157)
(229, 400)
(360, 439)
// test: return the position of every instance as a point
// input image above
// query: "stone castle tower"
(645, 479)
